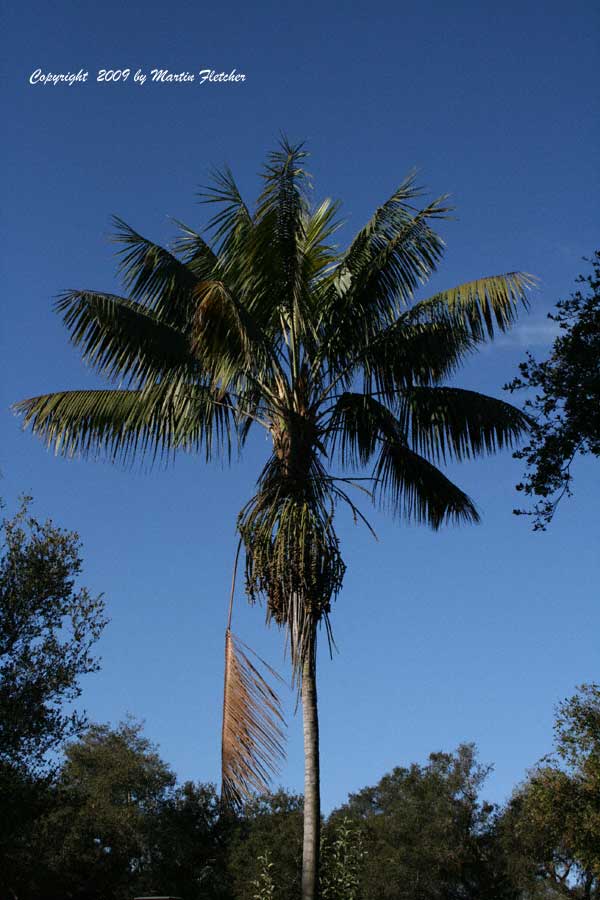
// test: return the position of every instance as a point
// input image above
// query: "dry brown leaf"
(253, 737)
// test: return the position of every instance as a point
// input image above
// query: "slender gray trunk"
(312, 791)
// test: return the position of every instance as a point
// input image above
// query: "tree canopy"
(48, 628)
(116, 825)
(551, 828)
(427, 834)
(565, 405)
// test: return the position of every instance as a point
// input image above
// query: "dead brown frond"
(253, 738)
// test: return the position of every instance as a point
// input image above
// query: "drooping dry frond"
(252, 740)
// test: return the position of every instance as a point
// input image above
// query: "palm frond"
(154, 276)
(233, 217)
(227, 340)
(247, 262)
(447, 422)
(194, 251)
(317, 254)
(379, 275)
(414, 488)
(361, 428)
(252, 736)
(427, 343)
(381, 225)
(407, 354)
(126, 424)
(354, 427)
(398, 260)
(482, 305)
(283, 209)
(124, 340)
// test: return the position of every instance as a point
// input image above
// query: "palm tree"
(264, 323)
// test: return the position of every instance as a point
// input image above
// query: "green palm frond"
(383, 224)
(412, 487)
(354, 428)
(405, 482)
(228, 341)
(399, 260)
(233, 217)
(361, 428)
(397, 240)
(249, 265)
(128, 425)
(406, 354)
(444, 422)
(482, 305)
(124, 340)
(232, 228)
(437, 422)
(442, 330)
(283, 208)
(286, 186)
(154, 276)
(194, 251)
(379, 275)
(317, 254)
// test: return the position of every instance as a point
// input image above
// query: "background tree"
(47, 632)
(269, 826)
(271, 326)
(96, 840)
(115, 825)
(427, 835)
(189, 841)
(48, 628)
(551, 828)
(566, 402)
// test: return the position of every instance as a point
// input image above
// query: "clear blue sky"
(470, 634)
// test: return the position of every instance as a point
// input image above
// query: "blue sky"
(470, 634)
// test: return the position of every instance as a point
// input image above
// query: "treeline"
(112, 823)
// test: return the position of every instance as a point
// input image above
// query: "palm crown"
(264, 322)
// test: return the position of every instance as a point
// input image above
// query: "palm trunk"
(312, 792)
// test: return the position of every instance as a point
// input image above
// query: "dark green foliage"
(343, 858)
(111, 785)
(551, 827)
(48, 628)
(426, 834)
(189, 839)
(116, 825)
(269, 825)
(566, 401)
(47, 631)
(25, 798)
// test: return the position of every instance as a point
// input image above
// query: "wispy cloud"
(539, 332)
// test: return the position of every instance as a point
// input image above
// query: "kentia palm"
(265, 323)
